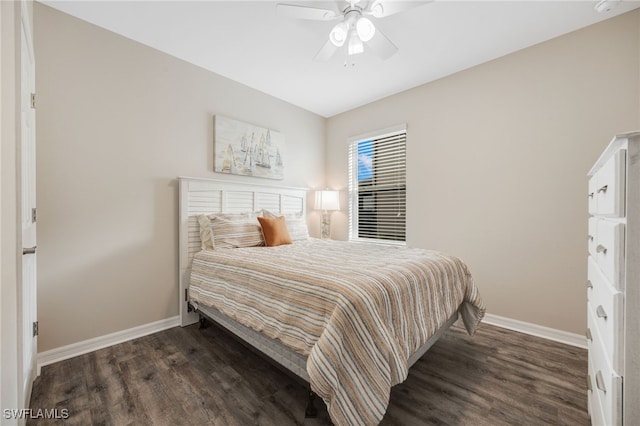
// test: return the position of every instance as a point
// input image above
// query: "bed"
(347, 318)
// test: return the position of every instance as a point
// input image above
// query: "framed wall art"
(245, 149)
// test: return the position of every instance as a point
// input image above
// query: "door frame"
(27, 287)
(12, 394)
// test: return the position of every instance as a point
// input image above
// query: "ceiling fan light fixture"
(338, 34)
(355, 45)
(377, 9)
(354, 26)
(365, 29)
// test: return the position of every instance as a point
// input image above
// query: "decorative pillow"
(296, 225)
(206, 234)
(275, 231)
(230, 230)
(236, 232)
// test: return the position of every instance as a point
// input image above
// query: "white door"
(28, 288)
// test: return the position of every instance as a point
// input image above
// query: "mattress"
(356, 312)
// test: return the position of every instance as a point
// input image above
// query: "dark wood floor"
(187, 376)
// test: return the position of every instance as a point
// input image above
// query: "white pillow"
(206, 235)
(296, 224)
(230, 230)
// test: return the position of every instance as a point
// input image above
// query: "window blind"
(377, 187)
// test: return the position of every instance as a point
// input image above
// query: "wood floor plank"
(188, 376)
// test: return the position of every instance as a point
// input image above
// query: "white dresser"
(613, 284)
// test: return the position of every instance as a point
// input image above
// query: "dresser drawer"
(592, 276)
(606, 387)
(591, 236)
(592, 199)
(610, 250)
(604, 328)
(610, 186)
(594, 405)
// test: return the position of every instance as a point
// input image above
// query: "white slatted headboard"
(206, 196)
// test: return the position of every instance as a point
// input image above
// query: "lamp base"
(326, 225)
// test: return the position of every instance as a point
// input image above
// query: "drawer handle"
(589, 284)
(603, 189)
(600, 382)
(601, 249)
(589, 385)
(590, 237)
(591, 195)
(588, 335)
(600, 312)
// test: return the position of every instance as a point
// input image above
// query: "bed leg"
(203, 322)
(311, 412)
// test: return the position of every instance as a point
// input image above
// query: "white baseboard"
(86, 346)
(537, 330)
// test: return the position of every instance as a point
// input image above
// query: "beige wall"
(497, 157)
(496, 163)
(117, 123)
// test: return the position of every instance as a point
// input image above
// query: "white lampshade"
(327, 200)
(338, 34)
(377, 9)
(365, 29)
(355, 45)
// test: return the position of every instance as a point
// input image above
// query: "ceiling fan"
(355, 29)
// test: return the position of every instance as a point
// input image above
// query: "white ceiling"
(247, 41)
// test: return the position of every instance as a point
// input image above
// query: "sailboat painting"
(245, 149)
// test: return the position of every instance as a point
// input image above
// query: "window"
(377, 186)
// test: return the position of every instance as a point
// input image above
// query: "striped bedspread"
(358, 311)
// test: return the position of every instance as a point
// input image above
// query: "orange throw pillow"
(275, 231)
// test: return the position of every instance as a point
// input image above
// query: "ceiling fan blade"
(327, 51)
(305, 12)
(382, 8)
(381, 45)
